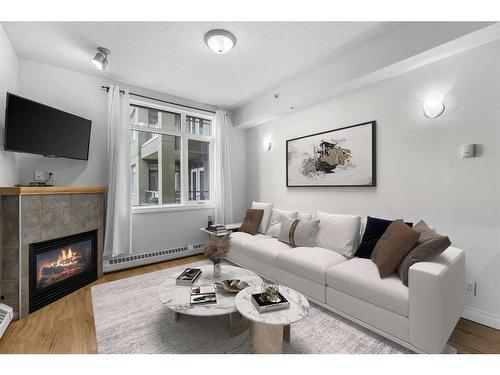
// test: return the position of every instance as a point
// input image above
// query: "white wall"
(79, 93)
(419, 172)
(72, 92)
(8, 83)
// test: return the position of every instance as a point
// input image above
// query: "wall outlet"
(471, 288)
(39, 175)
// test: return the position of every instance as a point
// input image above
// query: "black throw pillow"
(375, 228)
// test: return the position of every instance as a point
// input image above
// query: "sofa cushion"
(393, 246)
(297, 232)
(360, 278)
(309, 262)
(268, 208)
(338, 232)
(253, 218)
(266, 250)
(429, 245)
(242, 238)
(275, 222)
(374, 229)
(304, 216)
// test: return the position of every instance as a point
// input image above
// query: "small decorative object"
(270, 292)
(270, 299)
(232, 286)
(215, 250)
(210, 221)
(339, 157)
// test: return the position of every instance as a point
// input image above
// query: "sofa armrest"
(437, 299)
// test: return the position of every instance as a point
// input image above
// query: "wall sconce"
(433, 105)
(267, 143)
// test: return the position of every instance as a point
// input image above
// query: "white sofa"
(420, 317)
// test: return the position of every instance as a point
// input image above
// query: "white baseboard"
(481, 317)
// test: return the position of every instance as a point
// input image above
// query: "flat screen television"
(36, 128)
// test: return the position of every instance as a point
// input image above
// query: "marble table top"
(177, 297)
(298, 310)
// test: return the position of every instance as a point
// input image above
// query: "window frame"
(184, 135)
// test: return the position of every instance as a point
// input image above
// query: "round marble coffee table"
(269, 329)
(177, 297)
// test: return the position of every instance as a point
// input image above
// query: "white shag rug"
(129, 318)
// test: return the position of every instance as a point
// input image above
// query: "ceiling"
(171, 57)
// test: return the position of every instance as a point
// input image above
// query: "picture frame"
(342, 157)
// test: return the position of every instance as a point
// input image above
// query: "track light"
(100, 59)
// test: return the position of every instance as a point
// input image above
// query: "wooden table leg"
(266, 338)
(286, 333)
(237, 324)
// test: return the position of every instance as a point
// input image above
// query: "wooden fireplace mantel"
(46, 190)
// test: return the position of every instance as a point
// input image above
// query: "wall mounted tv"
(35, 128)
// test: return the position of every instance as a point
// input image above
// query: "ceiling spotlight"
(433, 104)
(100, 59)
(220, 41)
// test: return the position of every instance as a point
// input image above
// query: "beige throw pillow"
(429, 245)
(392, 247)
(298, 232)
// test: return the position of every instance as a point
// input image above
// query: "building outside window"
(171, 156)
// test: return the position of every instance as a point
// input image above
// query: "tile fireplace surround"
(33, 214)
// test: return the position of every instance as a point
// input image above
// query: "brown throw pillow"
(392, 247)
(252, 220)
(429, 245)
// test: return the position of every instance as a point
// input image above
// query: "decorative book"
(188, 276)
(204, 294)
(262, 304)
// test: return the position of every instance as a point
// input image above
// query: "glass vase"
(217, 268)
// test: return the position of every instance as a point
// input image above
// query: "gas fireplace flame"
(66, 260)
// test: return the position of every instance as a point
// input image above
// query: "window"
(170, 156)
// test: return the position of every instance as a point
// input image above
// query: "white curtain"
(118, 218)
(222, 184)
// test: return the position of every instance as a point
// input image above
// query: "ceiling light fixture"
(100, 59)
(433, 104)
(220, 41)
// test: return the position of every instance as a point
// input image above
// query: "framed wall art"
(340, 157)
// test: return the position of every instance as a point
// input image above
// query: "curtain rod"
(161, 100)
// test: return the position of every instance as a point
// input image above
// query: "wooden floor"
(67, 325)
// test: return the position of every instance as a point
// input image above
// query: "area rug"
(129, 318)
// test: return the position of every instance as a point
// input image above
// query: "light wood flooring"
(67, 325)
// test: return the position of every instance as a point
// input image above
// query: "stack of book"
(217, 229)
(188, 276)
(262, 304)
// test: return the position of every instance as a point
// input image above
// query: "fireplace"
(60, 266)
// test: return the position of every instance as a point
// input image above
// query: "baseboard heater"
(135, 260)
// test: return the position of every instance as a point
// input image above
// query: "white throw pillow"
(339, 233)
(275, 223)
(304, 216)
(267, 207)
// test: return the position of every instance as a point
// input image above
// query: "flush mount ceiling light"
(100, 59)
(433, 104)
(220, 41)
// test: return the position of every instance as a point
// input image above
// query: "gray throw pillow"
(429, 245)
(298, 232)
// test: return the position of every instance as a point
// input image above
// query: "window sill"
(170, 208)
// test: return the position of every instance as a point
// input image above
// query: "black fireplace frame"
(39, 299)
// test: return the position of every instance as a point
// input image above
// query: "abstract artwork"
(339, 157)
